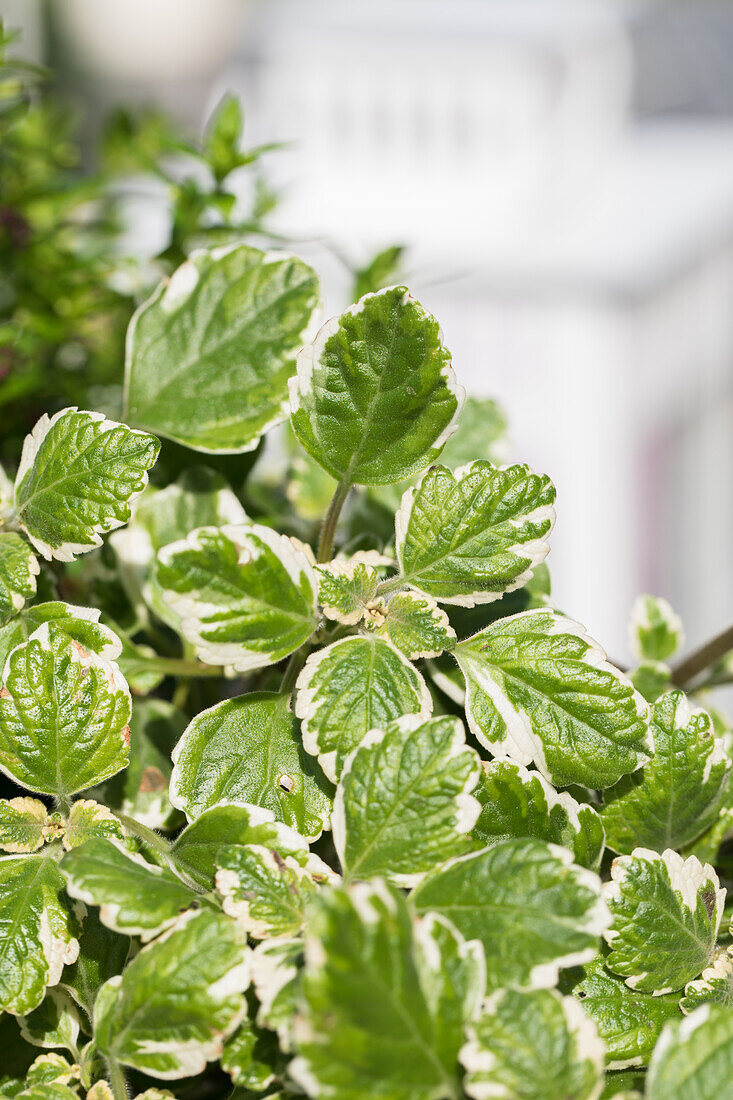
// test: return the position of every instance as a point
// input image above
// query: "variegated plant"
(332, 807)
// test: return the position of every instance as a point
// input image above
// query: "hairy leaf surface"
(210, 354)
(78, 474)
(531, 908)
(677, 795)
(350, 687)
(18, 571)
(172, 1009)
(64, 715)
(248, 750)
(403, 803)
(539, 690)
(516, 802)
(469, 537)
(375, 398)
(246, 595)
(37, 937)
(628, 1021)
(666, 914)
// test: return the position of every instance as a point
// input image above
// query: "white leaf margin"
(193, 1055)
(535, 549)
(67, 551)
(521, 745)
(478, 1059)
(172, 293)
(307, 701)
(191, 610)
(467, 807)
(312, 354)
(686, 876)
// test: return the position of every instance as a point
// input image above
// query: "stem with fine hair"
(328, 528)
(117, 1079)
(687, 671)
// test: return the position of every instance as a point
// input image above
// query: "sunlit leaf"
(539, 690)
(210, 354)
(78, 474)
(375, 397)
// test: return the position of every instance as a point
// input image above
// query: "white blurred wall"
(569, 221)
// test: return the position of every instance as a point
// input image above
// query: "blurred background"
(559, 176)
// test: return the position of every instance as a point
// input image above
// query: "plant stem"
(700, 659)
(117, 1079)
(160, 845)
(292, 670)
(390, 585)
(328, 529)
(174, 666)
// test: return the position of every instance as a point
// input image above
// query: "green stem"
(173, 666)
(390, 585)
(117, 1080)
(700, 659)
(160, 845)
(328, 529)
(292, 669)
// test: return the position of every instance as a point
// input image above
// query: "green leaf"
(80, 623)
(78, 474)
(651, 679)
(36, 935)
(715, 984)
(55, 1023)
(250, 1057)
(51, 1069)
(539, 690)
(196, 849)
(141, 790)
(18, 571)
(655, 630)
(135, 898)
(87, 820)
(666, 914)
(350, 687)
(533, 910)
(275, 968)
(266, 892)
(415, 624)
(628, 1022)
(515, 803)
(223, 137)
(481, 434)
(248, 750)
(64, 715)
(384, 1000)
(102, 955)
(18, 1055)
(246, 595)
(345, 588)
(179, 999)
(469, 537)
(375, 397)
(199, 498)
(209, 355)
(676, 796)
(537, 1046)
(693, 1058)
(403, 802)
(24, 824)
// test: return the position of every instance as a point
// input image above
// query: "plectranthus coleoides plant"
(310, 788)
